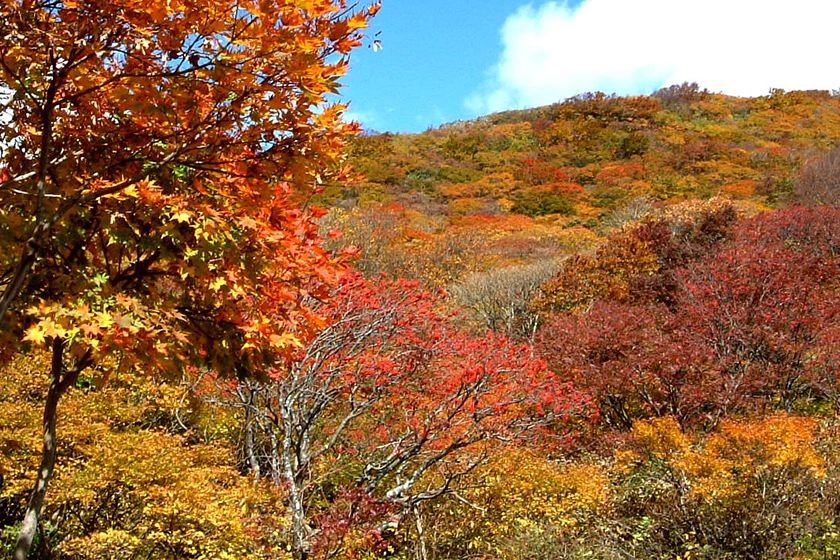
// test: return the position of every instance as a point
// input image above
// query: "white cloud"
(740, 47)
(369, 120)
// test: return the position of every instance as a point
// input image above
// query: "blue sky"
(435, 54)
(445, 60)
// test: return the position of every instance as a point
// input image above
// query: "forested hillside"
(513, 187)
(232, 327)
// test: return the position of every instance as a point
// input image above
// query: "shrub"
(818, 182)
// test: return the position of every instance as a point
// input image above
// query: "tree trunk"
(422, 552)
(291, 472)
(58, 385)
(250, 451)
(42, 224)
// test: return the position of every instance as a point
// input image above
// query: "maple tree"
(391, 391)
(750, 323)
(149, 163)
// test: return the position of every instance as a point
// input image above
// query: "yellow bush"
(520, 492)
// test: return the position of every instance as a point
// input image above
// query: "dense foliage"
(749, 324)
(150, 156)
(607, 328)
(522, 186)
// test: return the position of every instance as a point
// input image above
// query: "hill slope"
(516, 186)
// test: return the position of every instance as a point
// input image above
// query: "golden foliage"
(730, 462)
(605, 274)
(517, 492)
(127, 485)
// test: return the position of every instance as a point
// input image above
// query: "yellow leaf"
(217, 284)
(51, 329)
(285, 340)
(105, 320)
(34, 334)
(182, 217)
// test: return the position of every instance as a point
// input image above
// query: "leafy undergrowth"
(145, 472)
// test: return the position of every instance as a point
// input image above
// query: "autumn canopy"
(148, 164)
(233, 326)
